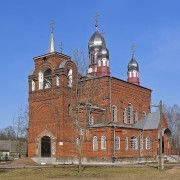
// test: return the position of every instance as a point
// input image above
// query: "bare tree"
(173, 118)
(81, 101)
(21, 125)
(8, 133)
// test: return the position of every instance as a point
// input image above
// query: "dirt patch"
(23, 161)
(174, 170)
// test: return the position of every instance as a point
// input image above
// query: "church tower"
(98, 54)
(133, 69)
(51, 86)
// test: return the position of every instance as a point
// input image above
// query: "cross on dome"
(133, 46)
(96, 20)
(52, 26)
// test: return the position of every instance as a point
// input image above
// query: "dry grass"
(90, 173)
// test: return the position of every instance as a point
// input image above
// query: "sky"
(152, 25)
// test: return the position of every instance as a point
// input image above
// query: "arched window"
(143, 114)
(33, 85)
(130, 107)
(117, 143)
(148, 143)
(103, 142)
(47, 81)
(135, 116)
(124, 117)
(134, 144)
(95, 143)
(114, 113)
(69, 77)
(126, 143)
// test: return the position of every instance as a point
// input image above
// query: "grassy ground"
(91, 173)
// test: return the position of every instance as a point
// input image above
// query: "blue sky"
(153, 25)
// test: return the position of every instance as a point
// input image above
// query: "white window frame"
(124, 116)
(126, 143)
(134, 143)
(95, 143)
(103, 142)
(130, 110)
(148, 143)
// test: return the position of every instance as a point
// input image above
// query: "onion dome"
(96, 40)
(103, 53)
(133, 65)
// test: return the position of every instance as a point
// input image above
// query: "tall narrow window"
(124, 117)
(134, 144)
(47, 80)
(148, 143)
(126, 143)
(70, 77)
(129, 113)
(95, 143)
(114, 113)
(117, 143)
(33, 85)
(103, 142)
(57, 80)
(135, 116)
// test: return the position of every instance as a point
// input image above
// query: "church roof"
(151, 121)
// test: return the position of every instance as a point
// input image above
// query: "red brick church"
(111, 118)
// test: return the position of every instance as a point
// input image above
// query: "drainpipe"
(110, 92)
(114, 149)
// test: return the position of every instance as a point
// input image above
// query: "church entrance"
(163, 144)
(45, 146)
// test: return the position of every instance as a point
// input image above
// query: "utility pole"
(161, 158)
